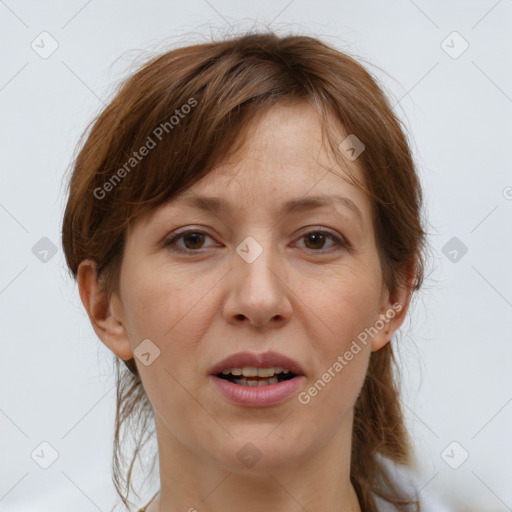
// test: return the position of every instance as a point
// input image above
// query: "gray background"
(456, 350)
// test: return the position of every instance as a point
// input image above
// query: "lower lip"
(257, 396)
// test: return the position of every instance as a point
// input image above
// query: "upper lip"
(263, 360)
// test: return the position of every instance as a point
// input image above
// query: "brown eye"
(193, 240)
(316, 240)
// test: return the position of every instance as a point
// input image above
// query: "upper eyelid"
(339, 239)
(201, 230)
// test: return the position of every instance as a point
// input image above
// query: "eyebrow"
(218, 204)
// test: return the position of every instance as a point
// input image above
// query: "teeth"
(266, 372)
(253, 382)
(251, 371)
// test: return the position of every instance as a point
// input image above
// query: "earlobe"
(387, 323)
(103, 311)
(392, 314)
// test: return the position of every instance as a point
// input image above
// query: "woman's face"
(255, 277)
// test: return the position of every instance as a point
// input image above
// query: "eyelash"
(171, 244)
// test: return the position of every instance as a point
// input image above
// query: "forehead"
(286, 157)
(288, 133)
(283, 164)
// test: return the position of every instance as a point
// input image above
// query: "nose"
(258, 293)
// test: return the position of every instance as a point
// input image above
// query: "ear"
(104, 310)
(393, 310)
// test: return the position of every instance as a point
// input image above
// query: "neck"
(317, 481)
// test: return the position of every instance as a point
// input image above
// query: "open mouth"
(251, 376)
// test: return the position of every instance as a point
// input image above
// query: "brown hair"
(225, 85)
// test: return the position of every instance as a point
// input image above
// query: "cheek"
(165, 305)
(328, 401)
(346, 306)
(173, 311)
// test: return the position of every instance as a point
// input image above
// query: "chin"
(256, 450)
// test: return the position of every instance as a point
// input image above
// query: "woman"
(244, 224)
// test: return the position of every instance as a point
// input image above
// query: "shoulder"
(410, 486)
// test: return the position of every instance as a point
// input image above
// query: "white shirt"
(407, 482)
